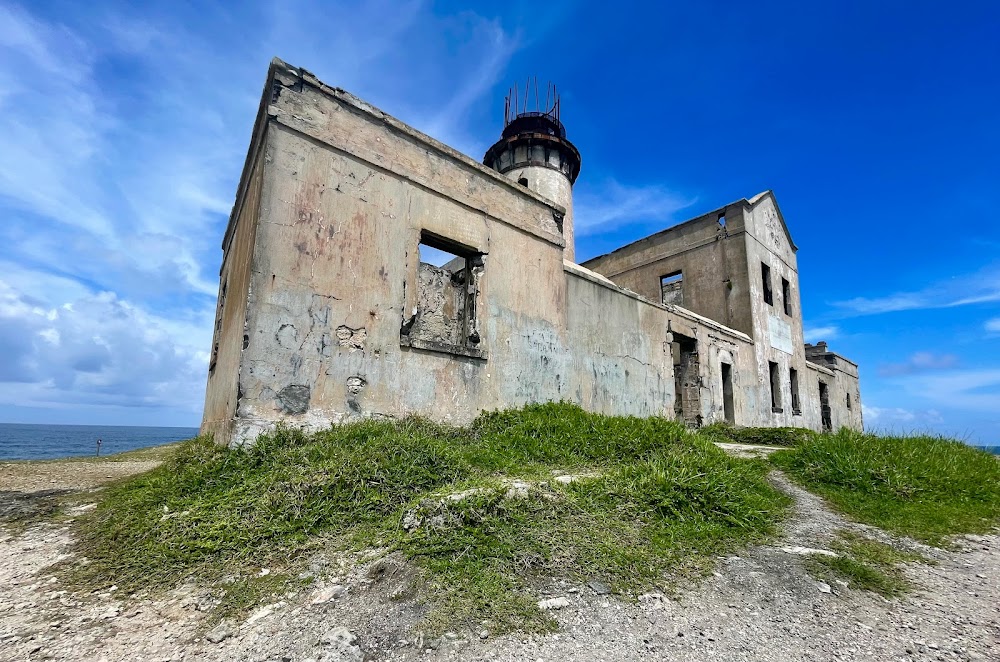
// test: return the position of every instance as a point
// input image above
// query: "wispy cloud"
(978, 288)
(992, 325)
(974, 390)
(813, 334)
(890, 417)
(611, 204)
(124, 135)
(919, 362)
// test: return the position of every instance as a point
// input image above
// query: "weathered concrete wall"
(234, 282)
(622, 360)
(711, 257)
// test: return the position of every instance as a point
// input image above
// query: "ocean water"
(39, 442)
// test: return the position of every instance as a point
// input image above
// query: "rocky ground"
(758, 605)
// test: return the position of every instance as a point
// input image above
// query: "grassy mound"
(924, 487)
(477, 508)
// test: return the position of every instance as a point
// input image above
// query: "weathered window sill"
(776, 410)
(796, 412)
(444, 348)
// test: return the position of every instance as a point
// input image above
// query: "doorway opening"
(687, 380)
(824, 407)
(729, 411)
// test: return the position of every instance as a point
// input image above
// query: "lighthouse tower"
(534, 152)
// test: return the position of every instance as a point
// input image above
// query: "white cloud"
(919, 362)
(890, 417)
(972, 390)
(611, 204)
(992, 325)
(99, 349)
(982, 287)
(817, 333)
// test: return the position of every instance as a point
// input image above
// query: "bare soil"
(758, 605)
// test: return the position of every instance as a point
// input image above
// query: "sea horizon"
(44, 441)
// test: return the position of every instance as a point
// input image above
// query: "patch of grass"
(866, 564)
(920, 486)
(659, 500)
(20, 510)
(787, 437)
(241, 594)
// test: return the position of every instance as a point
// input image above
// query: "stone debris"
(342, 645)
(329, 593)
(598, 587)
(805, 551)
(553, 603)
(566, 479)
(263, 612)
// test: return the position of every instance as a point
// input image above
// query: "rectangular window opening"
(765, 274)
(672, 288)
(786, 296)
(447, 286)
(793, 382)
(848, 401)
(775, 387)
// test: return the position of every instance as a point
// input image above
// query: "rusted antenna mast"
(517, 104)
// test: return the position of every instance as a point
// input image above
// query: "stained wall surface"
(329, 314)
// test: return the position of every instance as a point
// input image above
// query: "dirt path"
(758, 605)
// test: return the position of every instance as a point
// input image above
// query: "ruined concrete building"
(370, 270)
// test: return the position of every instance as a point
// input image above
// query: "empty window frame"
(793, 384)
(448, 279)
(786, 296)
(775, 386)
(672, 288)
(765, 277)
(848, 401)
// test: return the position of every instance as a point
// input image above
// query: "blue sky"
(123, 130)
